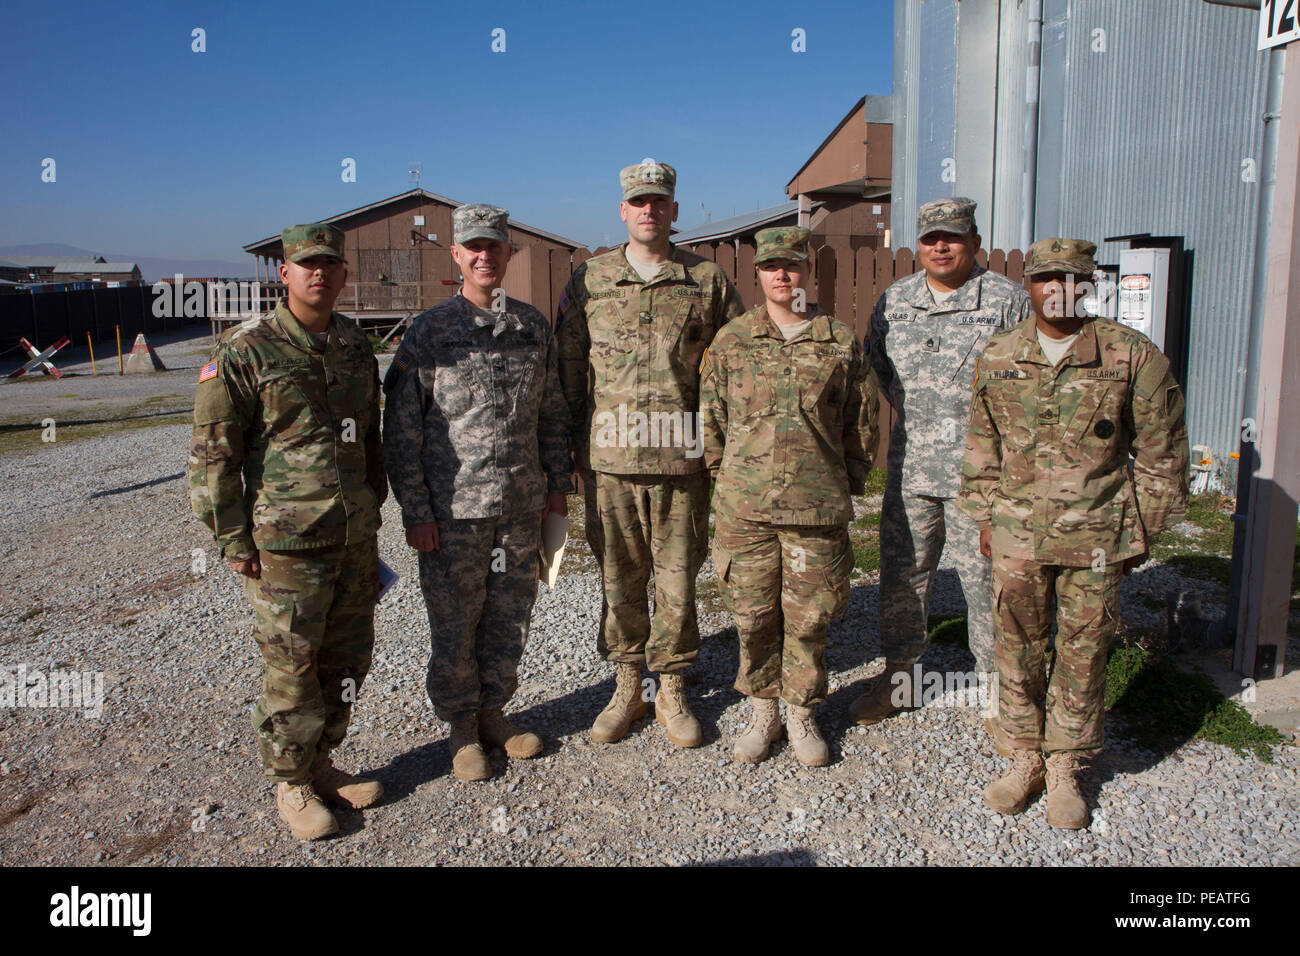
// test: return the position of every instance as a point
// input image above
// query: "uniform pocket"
(721, 561)
(452, 385)
(290, 412)
(839, 576)
(823, 387)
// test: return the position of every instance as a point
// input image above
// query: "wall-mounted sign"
(1279, 22)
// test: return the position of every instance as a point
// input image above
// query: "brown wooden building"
(399, 256)
(843, 190)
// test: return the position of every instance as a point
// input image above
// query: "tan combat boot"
(805, 737)
(1066, 807)
(495, 731)
(468, 761)
(308, 818)
(624, 708)
(878, 702)
(1011, 793)
(674, 713)
(764, 729)
(339, 787)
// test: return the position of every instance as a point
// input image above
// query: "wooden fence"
(847, 281)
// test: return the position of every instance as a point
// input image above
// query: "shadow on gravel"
(37, 426)
(846, 647)
(776, 858)
(407, 771)
(138, 485)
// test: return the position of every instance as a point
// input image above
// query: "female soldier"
(788, 417)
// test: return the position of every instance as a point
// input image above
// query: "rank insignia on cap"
(208, 371)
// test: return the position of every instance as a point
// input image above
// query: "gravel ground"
(168, 774)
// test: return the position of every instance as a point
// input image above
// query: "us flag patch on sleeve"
(208, 371)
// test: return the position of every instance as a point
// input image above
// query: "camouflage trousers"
(783, 585)
(635, 525)
(314, 621)
(1087, 614)
(479, 588)
(914, 531)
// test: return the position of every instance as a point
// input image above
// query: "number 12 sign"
(1279, 22)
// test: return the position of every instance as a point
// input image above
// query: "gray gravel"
(169, 774)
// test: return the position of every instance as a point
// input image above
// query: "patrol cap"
(479, 221)
(1071, 256)
(648, 178)
(312, 239)
(955, 215)
(782, 242)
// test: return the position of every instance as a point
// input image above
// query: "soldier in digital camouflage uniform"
(637, 320)
(476, 434)
(926, 332)
(287, 471)
(1060, 404)
(788, 413)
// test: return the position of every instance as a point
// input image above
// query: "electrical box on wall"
(1143, 294)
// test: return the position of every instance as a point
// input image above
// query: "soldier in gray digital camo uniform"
(926, 332)
(476, 437)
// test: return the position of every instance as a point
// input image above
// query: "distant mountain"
(152, 268)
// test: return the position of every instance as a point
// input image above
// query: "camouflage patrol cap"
(479, 221)
(955, 215)
(312, 239)
(782, 242)
(1071, 256)
(648, 178)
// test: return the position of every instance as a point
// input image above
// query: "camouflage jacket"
(475, 424)
(789, 428)
(924, 356)
(1047, 457)
(641, 342)
(286, 452)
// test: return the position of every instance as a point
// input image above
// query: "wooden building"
(399, 256)
(843, 190)
(97, 271)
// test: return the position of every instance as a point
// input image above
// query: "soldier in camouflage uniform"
(476, 434)
(637, 320)
(926, 332)
(287, 472)
(1060, 404)
(788, 414)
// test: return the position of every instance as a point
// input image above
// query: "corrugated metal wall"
(1143, 127)
(1152, 110)
(925, 114)
(1003, 231)
(904, 100)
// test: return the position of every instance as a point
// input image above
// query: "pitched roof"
(37, 262)
(65, 268)
(274, 240)
(738, 224)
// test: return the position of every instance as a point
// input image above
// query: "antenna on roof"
(414, 172)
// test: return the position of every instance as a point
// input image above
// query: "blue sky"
(164, 151)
